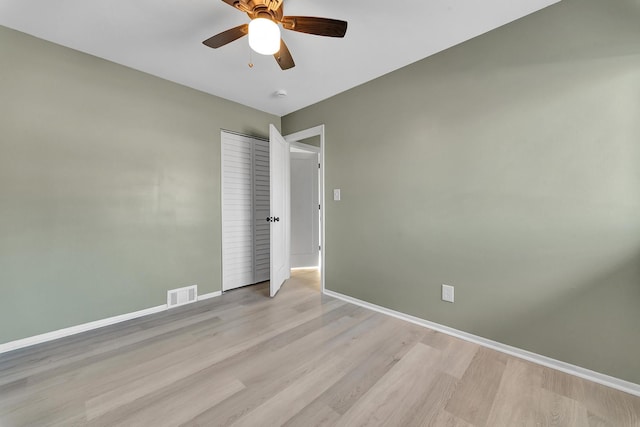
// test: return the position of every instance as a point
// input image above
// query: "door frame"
(292, 139)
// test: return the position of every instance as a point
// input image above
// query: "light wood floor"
(300, 359)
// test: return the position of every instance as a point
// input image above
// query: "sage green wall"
(109, 186)
(509, 167)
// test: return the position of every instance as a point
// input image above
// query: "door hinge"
(319, 207)
(318, 165)
(319, 248)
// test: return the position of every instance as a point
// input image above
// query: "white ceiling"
(163, 38)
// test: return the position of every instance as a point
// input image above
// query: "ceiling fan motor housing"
(256, 8)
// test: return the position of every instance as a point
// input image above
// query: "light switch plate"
(336, 194)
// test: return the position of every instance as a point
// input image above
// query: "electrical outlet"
(447, 293)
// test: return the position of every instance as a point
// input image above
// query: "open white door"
(280, 206)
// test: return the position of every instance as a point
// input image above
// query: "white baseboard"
(209, 295)
(61, 333)
(596, 377)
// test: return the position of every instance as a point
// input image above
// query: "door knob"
(268, 219)
(276, 218)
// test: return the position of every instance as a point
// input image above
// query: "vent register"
(182, 296)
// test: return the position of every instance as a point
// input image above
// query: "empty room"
(320, 213)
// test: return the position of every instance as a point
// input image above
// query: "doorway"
(302, 140)
(305, 205)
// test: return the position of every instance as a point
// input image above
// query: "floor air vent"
(182, 296)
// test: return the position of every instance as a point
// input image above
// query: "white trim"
(209, 295)
(305, 134)
(322, 211)
(304, 147)
(61, 333)
(222, 251)
(587, 374)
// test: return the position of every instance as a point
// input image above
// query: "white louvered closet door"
(261, 208)
(245, 207)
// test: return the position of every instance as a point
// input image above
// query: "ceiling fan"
(264, 33)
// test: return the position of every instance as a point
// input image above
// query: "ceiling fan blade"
(227, 36)
(283, 57)
(318, 26)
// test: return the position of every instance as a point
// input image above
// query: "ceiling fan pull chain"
(250, 58)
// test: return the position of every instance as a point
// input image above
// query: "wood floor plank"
(333, 321)
(522, 401)
(285, 404)
(316, 414)
(396, 392)
(388, 347)
(456, 354)
(604, 403)
(240, 404)
(429, 410)
(181, 405)
(324, 340)
(474, 396)
(445, 419)
(518, 398)
(199, 392)
(596, 421)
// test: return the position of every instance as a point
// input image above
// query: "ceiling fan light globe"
(264, 36)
